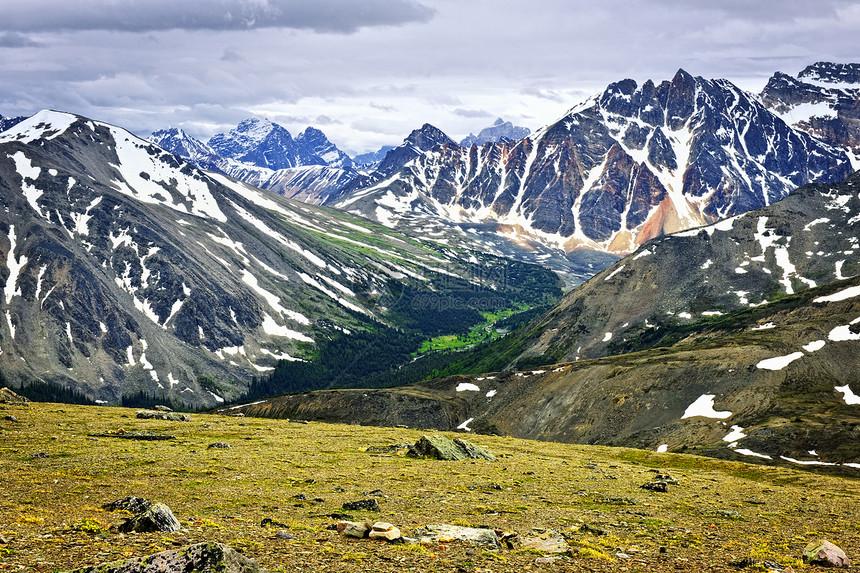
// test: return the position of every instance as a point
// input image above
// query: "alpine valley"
(131, 273)
(708, 238)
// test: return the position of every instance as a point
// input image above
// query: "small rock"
(10, 418)
(218, 445)
(157, 518)
(203, 557)
(826, 554)
(362, 505)
(283, 535)
(163, 408)
(375, 493)
(355, 529)
(384, 530)
(659, 486)
(3, 539)
(545, 560)
(269, 522)
(591, 529)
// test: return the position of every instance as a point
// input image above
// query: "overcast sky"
(367, 72)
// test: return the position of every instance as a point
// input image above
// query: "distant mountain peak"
(501, 130)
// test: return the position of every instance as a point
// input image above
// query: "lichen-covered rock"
(369, 504)
(442, 448)
(545, 541)
(157, 517)
(132, 504)
(438, 447)
(201, 558)
(474, 451)
(485, 538)
(159, 415)
(826, 554)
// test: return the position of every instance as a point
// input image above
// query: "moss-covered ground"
(57, 475)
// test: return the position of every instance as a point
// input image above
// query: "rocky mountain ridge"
(631, 164)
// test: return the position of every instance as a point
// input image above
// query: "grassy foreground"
(56, 476)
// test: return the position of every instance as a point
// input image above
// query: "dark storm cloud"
(338, 16)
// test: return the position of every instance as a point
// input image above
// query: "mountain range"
(628, 165)
(130, 271)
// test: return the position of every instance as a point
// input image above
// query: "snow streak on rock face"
(621, 168)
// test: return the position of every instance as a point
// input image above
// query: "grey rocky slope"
(631, 164)
(738, 340)
(127, 269)
(822, 100)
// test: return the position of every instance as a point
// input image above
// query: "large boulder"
(484, 538)
(442, 448)
(157, 517)
(208, 557)
(159, 415)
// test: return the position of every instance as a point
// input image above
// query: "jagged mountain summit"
(371, 160)
(737, 340)
(264, 144)
(499, 131)
(316, 142)
(631, 164)
(252, 150)
(179, 143)
(823, 100)
(128, 270)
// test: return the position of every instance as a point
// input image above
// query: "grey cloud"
(326, 120)
(550, 95)
(472, 113)
(16, 40)
(381, 107)
(337, 16)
